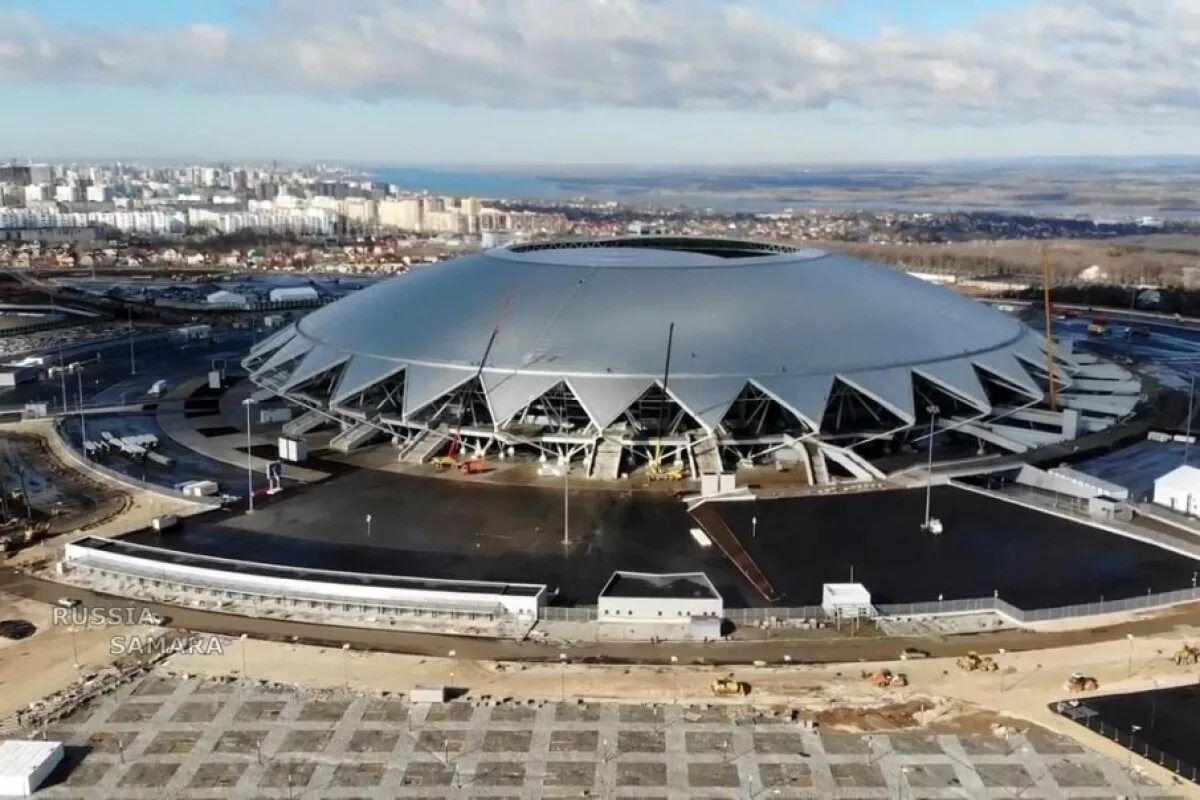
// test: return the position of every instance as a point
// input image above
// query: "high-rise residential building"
(67, 193)
(37, 193)
(403, 214)
(99, 193)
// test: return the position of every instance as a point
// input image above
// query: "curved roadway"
(815, 650)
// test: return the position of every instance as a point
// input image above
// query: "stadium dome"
(717, 351)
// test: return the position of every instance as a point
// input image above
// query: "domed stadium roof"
(595, 315)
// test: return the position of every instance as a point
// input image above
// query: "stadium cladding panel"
(711, 352)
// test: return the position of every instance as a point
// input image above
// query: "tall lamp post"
(132, 364)
(1187, 436)
(931, 525)
(566, 502)
(82, 422)
(249, 401)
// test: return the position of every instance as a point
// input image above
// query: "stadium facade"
(710, 352)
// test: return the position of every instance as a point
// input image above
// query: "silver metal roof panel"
(318, 360)
(891, 387)
(707, 399)
(509, 392)
(577, 313)
(958, 377)
(360, 374)
(289, 352)
(805, 395)
(424, 384)
(1005, 365)
(274, 341)
(605, 399)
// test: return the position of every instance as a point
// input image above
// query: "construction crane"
(655, 470)
(451, 457)
(1052, 397)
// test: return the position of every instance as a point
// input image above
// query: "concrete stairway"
(422, 448)
(353, 436)
(308, 421)
(852, 462)
(816, 458)
(707, 456)
(606, 464)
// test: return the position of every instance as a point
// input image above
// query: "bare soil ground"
(1144, 259)
(61, 498)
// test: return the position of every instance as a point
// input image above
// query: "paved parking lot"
(168, 737)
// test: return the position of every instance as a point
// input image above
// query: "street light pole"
(566, 503)
(562, 660)
(82, 421)
(1187, 436)
(62, 377)
(249, 401)
(933, 412)
(132, 364)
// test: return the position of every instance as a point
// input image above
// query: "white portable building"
(293, 294)
(224, 297)
(24, 765)
(846, 600)
(1179, 490)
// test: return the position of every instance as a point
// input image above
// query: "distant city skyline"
(597, 82)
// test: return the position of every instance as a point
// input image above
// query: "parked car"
(909, 653)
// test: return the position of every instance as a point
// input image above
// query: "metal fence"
(931, 608)
(751, 616)
(572, 614)
(1088, 718)
(940, 607)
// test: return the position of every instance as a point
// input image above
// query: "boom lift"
(655, 471)
(451, 458)
(1052, 394)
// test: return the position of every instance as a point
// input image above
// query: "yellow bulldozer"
(1186, 655)
(729, 685)
(1078, 682)
(973, 662)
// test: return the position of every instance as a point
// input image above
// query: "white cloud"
(1058, 60)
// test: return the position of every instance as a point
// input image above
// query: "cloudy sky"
(598, 81)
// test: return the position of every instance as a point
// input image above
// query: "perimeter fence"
(1088, 717)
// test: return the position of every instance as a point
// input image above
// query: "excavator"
(729, 685)
(973, 662)
(885, 678)
(1078, 682)
(655, 471)
(1186, 655)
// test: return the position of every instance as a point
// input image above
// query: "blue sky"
(597, 81)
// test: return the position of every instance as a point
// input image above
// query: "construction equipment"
(451, 457)
(655, 470)
(1052, 393)
(729, 685)
(1078, 682)
(1186, 655)
(973, 662)
(885, 678)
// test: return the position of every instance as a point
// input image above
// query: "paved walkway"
(172, 417)
(167, 736)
